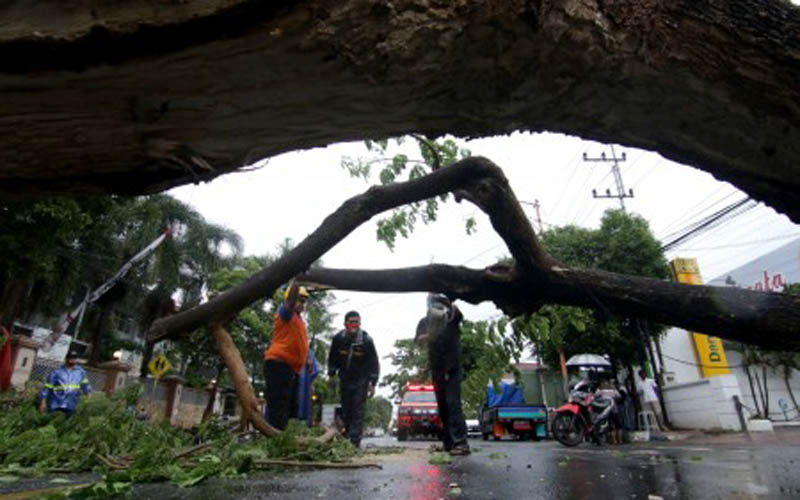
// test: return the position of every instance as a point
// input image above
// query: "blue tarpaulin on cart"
(509, 394)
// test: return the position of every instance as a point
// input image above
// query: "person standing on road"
(286, 356)
(354, 359)
(646, 387)
(64, 387)
(440, 329)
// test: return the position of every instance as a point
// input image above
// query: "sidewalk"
(783, 435)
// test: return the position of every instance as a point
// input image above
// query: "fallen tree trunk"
(241, 382)
(531, 280)
(769, 320)
(143, 95)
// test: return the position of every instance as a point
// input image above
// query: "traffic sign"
(159, 365)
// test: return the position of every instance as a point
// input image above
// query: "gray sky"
(294, 192)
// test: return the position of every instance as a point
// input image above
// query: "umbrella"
(587, 360)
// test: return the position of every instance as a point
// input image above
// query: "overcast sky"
(293, 193)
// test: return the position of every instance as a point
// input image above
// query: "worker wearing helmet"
(440, 330)
(64, 387)
(286, 356)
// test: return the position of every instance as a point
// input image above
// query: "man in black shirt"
(354, 359)
(440, 329)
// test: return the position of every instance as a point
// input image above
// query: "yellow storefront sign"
(159, 365)
(709, 350)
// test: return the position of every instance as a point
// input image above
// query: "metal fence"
(196, 397)
(97, 378)
(42, 368)
(153, 390)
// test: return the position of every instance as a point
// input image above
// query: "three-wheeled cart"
(506, 414)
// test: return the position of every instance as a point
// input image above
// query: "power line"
(575, 162)
(742, 244)
(707, 223)
(696, 211)
(741, 229)
(690, 363)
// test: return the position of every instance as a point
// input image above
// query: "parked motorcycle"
(584, 416)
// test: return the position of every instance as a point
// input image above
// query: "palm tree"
(182, 264)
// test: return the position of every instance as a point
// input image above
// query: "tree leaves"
(623, 244)
(399, 167)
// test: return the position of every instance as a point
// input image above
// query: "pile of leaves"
(105, 436)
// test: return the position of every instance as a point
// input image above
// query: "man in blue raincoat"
(305, 390)
(64, 387)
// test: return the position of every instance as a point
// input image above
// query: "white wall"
(775, 385)
(677, 344)
(703, 404)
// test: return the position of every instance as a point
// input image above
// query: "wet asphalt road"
(719, 468)
(527, 470)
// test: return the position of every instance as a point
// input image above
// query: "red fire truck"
(418, 414)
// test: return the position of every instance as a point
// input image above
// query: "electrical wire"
(698, 221)
(695, 211)
(742, 244)
(691, 363)
(732, 210)
(574, 162)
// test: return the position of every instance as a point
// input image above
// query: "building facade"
(702, 375)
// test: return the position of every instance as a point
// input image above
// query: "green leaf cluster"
(399, 167)
(378, 413)
(622, 244)
(104, 436)
(53, 251)
(490, 348)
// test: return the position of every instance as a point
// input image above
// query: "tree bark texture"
(241, 381)
(140, 96)
(770, 320)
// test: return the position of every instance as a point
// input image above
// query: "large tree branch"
(478, 178)
(241, 381)
(768, 320)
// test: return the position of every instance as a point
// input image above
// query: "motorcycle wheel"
(568, 429)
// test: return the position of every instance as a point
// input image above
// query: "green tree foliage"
(378, 413)
(252, 328)
(400, 167)
(55, 249)
(105, 436)
(410, 360)
(46, 247)
(622, 244)
(489, 351)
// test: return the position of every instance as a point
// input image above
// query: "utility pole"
(536, 205)
(620, 194)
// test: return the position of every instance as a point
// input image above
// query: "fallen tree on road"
(531, 279)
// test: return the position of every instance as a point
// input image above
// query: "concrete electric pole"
(620, 194)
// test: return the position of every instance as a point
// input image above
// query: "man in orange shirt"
(286, 356)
